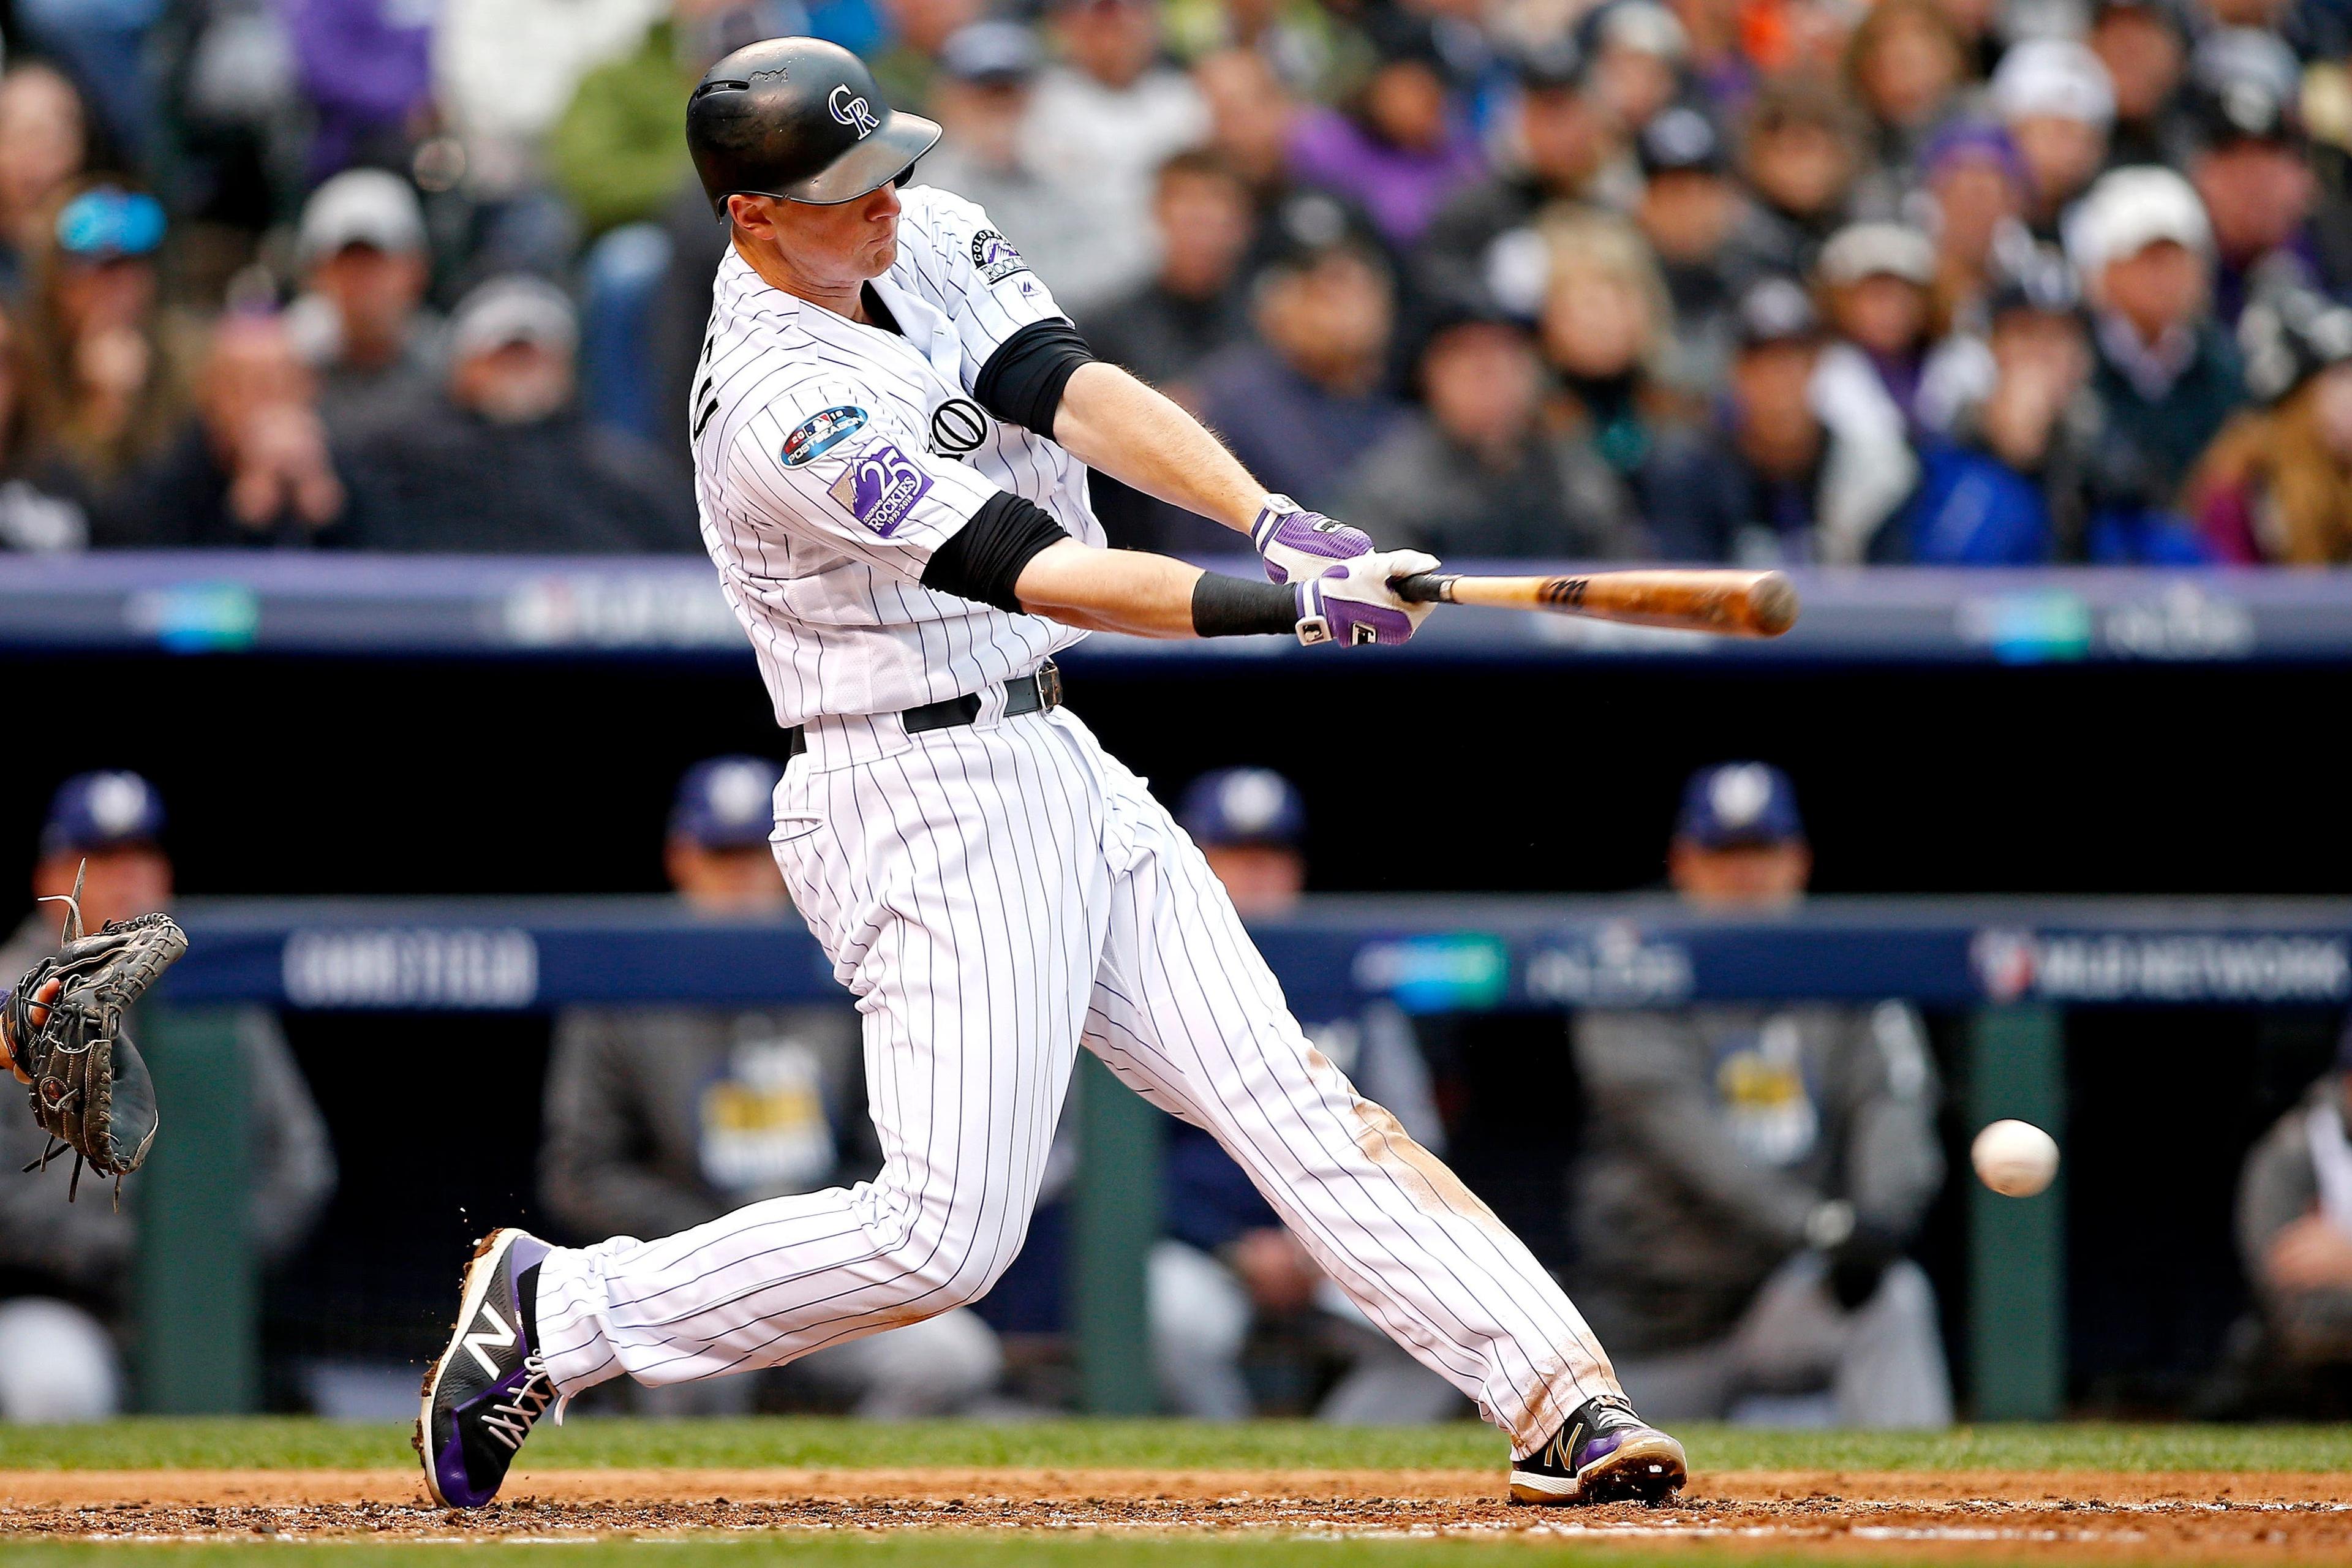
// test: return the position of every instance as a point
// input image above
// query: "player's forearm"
(1110, 421)
(1109, 590)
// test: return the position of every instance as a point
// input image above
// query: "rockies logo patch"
(995, 255)
(957, 427)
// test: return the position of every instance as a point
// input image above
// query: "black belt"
(1025, 695)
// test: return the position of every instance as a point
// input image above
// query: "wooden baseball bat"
(1738, 604)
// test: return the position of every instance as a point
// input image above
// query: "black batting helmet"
(800, 119)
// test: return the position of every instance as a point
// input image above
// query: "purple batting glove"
(1300, 545)
(1351, 604)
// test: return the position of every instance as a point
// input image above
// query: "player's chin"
(883, 256)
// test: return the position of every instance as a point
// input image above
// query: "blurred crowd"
(1949, 281)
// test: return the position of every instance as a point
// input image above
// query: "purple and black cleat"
(1603, 1453)
(490, 1385)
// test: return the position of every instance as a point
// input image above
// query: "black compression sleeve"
(1237, 607)
(1022, 381)
(982, 559)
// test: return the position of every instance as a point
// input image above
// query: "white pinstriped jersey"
(832, 458)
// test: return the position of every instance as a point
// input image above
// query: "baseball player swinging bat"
(893, 424)
(1736, 603)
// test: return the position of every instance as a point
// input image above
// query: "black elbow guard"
(1023, 380)
(982, 559)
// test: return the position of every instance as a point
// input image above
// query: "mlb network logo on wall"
(1618, 967)
(2125, 966)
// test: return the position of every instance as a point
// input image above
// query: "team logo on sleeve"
(995, 255)
(818, 434)
(880, 487)
(957, 427)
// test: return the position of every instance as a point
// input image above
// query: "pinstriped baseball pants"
(997, 896)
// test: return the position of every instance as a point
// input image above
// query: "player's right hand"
(1351, 602)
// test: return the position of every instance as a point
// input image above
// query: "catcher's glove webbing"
(91, 1092)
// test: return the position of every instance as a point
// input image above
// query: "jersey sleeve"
(831, 466)
(967, 268)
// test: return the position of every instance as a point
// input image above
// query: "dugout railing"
(2016, 967)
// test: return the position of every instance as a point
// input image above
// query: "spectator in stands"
(659, 1119)
(1305, 403)
(252, 466)
(2250, 171)
(2166, 373)
(42, 505)
(1804, 153)
(2054, 97)
(1754, 1172)
(364, 68)
(361, 321)
(1194, 307)
(1400, 147)
(1796, 471)
(1906, 65)
(1638, 51)
(615, 151)
(107, 383)
(1225, 1263)
(907, 67)
(2006, 479)
(1700, 225)
(2278, 483)
(1478, 474)
(1976, 188)
(503, 462)
(1104, 121)
(1250, 112)
(66, 1269)
(505, 70)
(1564, 144)
(1607, 333)
(982, 96)
(1874, 279)
(101, 46)
(2144, 43)
(44, 145)
(2293, 1360)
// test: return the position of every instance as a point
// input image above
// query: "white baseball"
(2015, 1159)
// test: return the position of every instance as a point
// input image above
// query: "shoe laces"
(510, 1420)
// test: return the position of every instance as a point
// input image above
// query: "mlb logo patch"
(819, 433)
(880, 489)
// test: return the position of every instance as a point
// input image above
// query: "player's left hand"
(1299, 544)
(1350, 601)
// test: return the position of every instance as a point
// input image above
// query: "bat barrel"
(1773, 604)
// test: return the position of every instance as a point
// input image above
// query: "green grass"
(294, 1444)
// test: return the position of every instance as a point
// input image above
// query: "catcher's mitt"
(64, 1023)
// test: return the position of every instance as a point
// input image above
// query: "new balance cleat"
(490, 1385)
(1603, 1453)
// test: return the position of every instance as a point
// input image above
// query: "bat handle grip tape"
(1426, 587)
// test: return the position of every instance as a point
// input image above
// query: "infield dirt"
(2187, 1515)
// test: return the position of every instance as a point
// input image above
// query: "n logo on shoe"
(497, 1337)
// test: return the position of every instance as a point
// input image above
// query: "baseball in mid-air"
(2015, 1159)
